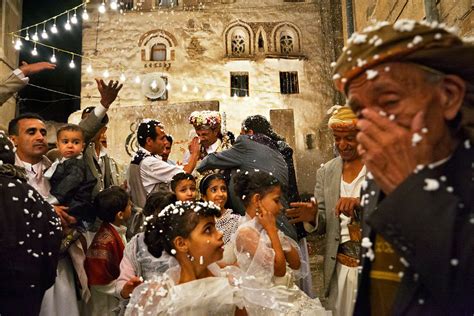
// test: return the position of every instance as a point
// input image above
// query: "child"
(71, 180)
(213, 188)
(137, 263)
(184, 186)
(186, 231)
(113, 207)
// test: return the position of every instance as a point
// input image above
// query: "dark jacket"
(428, 229)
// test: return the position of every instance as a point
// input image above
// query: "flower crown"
(205, 118)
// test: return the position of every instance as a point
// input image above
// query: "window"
(261, 43)
(158, 52)
(167, 3)
(286, 44)
(239, 84)
(289, 82)
(238, 44)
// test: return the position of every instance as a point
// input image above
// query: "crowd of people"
(224, 232)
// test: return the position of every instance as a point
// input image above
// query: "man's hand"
(194, 146)
(346, 206)
(66, 219)
(302, 212)
(387, 148)
(31, 69)
(108, 92)
(130, 286)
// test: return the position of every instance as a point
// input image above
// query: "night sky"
(62, 78)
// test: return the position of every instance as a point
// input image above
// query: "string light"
(113, 5)
(89, 68)
(184, 89)
(72, 64)
(53, 58)
(34, 52)
(137, 79)
(27, 36)
(35, 36)
(44, 34)
(106, 74)
(18, 44)
(122, 77)
(102, 8)
(67, 26)
(85, 15)
(195, 90)
(54, 29)
(74, 18)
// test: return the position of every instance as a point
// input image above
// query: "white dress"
(164, 296)
(263, 293)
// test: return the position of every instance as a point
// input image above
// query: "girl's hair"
(158, 201)
(246, 184)
(178, 219)
(180, 177)
(206, 182)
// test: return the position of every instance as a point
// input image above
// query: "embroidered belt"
(346, 260)
(350, 248)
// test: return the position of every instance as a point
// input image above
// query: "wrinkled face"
(346, 144)
(205, 242)
(207, 137)
(400, 90)
(217, 193)
(186, 190)
(166, 151)
(157, 145)
(70, 143)
(271, 201)
(31, 140)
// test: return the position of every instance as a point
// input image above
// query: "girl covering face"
(184, 186)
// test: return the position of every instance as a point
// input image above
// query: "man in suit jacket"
(412, 85)
(337, 192)
(251, 152)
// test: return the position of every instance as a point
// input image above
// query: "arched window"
(158, 52)
(261, 43)
(286, 43)
(238, 44)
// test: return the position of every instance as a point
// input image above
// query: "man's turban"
(205, 119)
(342, 118)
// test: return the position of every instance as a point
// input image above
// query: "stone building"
(239, 57)
(11, 12)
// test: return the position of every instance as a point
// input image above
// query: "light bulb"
(89, 69)
(67, 26)
(185, 89)
(168, 87)
(74, 18)
(54, 29)
(208, 96)
(85, 15)
(153, 85)
(27, 36)
(34, 52)
(114, 5)
(18, 44)
(44, 34)
(106, 74)
(195, 90)
(122, 77)
(137, 79)
(102, 8)
(72, 64)
(53, 58)
(35, 37)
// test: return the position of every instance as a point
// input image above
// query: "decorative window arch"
(287, 38)
(261, 41)
(157, 45)
(239, 39)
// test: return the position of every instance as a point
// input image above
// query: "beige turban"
(342, 118)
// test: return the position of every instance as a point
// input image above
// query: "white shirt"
(350, 190)
(17, 72)
(154, 170)
(35, 174)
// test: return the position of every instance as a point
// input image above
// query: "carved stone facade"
(277, 51)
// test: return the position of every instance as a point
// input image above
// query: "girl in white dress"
(214, 188)
(186, 230)
(269, 260)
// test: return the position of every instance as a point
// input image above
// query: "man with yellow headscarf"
(338, 186)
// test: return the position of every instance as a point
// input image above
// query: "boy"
(102, 264)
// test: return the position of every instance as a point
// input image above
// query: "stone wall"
(10, 13)
(199, 64)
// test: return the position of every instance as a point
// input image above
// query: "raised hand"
(31, 69)
(108, 92)
(266, 219)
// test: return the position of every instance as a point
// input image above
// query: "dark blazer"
(248, 155)
(428, 229)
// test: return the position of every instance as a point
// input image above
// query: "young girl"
(185, 230)
(213, 188)
(184, 186)
(268, 258)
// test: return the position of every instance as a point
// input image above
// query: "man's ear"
(14, 140)
(454, 90)
(181, 244)
(250, 132)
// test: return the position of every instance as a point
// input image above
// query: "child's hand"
(266, 219)
(130, 286)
